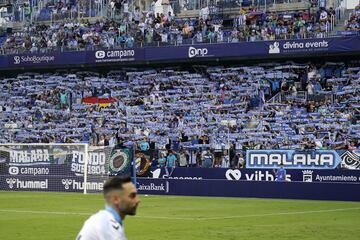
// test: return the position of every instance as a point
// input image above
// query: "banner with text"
(303, 159)
(63, 160)
(269, 175)
(264, 49)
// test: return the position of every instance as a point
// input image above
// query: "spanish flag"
(102, 102)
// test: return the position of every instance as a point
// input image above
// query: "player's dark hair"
(115, 183)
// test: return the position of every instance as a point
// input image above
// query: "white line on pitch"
(184, 218)
(41, 212)
(83, 214)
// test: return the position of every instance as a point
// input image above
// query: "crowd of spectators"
(69, 35)
(353, 23)
(145, 28)
(68, 9)
(253, 25)
(198, 113)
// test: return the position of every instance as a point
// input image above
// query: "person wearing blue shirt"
(85, 137)
(208, 159)
(171, 160)
(175, 145)
(194, 140)
(129, 42)
(170, 163)
(63, 99)
(144, 146)
(121, 40)
(162, 160)
(281, 174)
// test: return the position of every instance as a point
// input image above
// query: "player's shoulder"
(104, 219)
(100, 216)
(101, 223)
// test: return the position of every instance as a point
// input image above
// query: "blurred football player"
(121, 199)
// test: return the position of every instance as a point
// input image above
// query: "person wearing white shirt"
(112, 141)
(199, 37)
(225, 162)
(152, 6)
(112, 6)
(126, 7)
(323, 15)
(220, 35)
(242, 19)
(193, 159)
(310, 88)
(204, 12)
(137, 15)
(164, 37)
(107, 224)
(312, 73)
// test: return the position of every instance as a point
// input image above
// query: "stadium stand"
(57, 10)
(139, 29)
(268, 106)
(353, 23)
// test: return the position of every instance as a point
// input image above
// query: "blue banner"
(248, 49)
(50, 183)
(46, 59)
(305, 175)
(293, 159)
(48, 162)
(222, 188)
(191, 52)
(115, 55)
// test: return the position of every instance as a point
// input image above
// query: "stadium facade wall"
(263, 49)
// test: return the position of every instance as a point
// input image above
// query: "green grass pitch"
(35, 216)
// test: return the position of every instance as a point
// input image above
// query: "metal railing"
(275, 99)
(227, 4)
(91, 9)
(6, 2)
(332, 23)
